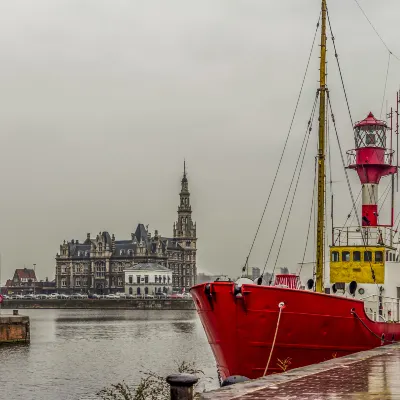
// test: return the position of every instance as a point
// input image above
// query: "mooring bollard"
(181, 386)
(15, 312)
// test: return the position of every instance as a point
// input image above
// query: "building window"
(78, 282)
(169, 279)
(100, 247)
(156, 279)
(131, 290)
(87, 254)
(146, 290)
(164, 278)
(356, 256)
(138, 291)
(119, 281)
(121, 252)
(79, 253)
(367, 256)
(130, 279)
(100, 271)
(345, 256)
(130, 252)
(63, 282)
(138, 279)
(146, 279)
(378, 256)
(335, 256)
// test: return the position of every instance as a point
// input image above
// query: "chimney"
(77, 241)
(72, 241)
(88, 236)
(113, 243)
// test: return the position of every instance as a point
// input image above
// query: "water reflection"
(74, 353)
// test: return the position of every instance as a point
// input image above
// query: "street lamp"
(34, 285)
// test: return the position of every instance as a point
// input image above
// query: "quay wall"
(111, 304)
(14, 329)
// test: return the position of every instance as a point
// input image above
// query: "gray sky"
(102, 100)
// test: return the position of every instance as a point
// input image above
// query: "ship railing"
(382, 308)
(367, 235)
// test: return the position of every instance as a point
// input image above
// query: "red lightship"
(256, 329)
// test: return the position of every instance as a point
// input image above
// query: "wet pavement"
(373, 374)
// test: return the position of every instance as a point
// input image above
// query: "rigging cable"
(295, 190)
(340, 70)
(306, 135)
(311, 213)
(386, 79)
(379, 36)
(284, 147)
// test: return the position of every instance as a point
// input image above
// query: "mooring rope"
(372, 332)
(281, 306)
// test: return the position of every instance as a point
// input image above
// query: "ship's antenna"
(321, 156)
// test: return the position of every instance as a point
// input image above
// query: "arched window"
(378, 256)
(130, 252)
(138, 291)
(122, 252)
(146, 290)
(87, 254)
(131, 290)
(79, 253)
(164, 278)
(335, 256)
(345, 256)
(156, 279)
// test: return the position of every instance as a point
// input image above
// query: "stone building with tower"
(97, 264)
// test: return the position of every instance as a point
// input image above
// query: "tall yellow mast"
(321, 156)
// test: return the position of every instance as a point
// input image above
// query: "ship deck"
(371, 374)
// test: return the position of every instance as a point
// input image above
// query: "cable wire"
(285, 145)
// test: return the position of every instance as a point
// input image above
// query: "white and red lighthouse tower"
(372, 160)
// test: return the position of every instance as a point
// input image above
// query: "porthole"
(361, 291)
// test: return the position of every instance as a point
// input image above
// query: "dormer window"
(130, 252)
(87, 254)
(122, 252)
(79, 253)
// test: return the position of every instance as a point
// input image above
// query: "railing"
(367, 235)
(382, 309)
(352, 157)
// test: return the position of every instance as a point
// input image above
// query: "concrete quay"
(110, 304)
(14, 328)
(372, 374)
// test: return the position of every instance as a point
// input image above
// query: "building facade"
(97, 265)
(148, 279)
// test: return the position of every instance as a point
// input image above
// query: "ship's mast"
(321, 156)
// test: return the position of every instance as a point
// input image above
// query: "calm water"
(75, 353)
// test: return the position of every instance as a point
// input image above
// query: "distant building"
(255, 273)
(24, 281)
(148, 278)
(98, 264)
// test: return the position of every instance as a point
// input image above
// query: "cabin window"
(335, 256)
(367, 256)
(345, 256)
(356, 256)
(378, 256)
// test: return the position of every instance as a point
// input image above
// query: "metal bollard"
(15, 312)
(181, 386)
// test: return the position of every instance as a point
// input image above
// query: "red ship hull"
(313, 327)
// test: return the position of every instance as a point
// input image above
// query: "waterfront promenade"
(110, 304)
(367, 375)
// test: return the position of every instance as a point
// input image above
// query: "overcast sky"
(102, 100)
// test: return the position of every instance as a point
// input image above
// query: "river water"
(75, 353)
